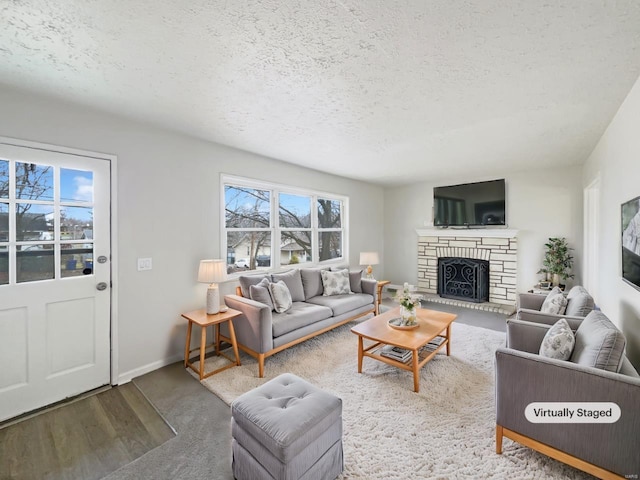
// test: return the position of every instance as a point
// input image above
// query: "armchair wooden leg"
(498, 439)
(261, 365)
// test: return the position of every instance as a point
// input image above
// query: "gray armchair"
(579, 304)
(606, 450)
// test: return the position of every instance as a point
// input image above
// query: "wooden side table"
(381, 284)
(200, 318)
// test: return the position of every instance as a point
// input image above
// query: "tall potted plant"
(558, 260)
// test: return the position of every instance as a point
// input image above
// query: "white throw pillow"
(555, 303)
(281, 296)
(335, 283)
(559, 341)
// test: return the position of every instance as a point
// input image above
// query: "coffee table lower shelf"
(424, 355)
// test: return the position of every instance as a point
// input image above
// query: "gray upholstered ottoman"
(287, 429)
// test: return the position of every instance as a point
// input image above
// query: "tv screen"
(470, 204)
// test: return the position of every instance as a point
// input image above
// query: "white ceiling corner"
(384, 91)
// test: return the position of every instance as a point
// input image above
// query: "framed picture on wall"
(631, 242)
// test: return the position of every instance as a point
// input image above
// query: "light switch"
(144, 264)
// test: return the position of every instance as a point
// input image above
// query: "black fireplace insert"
(463, 279)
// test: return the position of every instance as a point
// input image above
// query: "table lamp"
(212, 272)
(369, 259)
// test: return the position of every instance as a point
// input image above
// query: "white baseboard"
(126, 377)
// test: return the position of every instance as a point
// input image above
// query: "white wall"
(617, 159)
(541, 203)
(168, 209)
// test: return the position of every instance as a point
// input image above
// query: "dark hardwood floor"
(84, 439)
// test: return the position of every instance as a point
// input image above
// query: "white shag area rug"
(446, 431)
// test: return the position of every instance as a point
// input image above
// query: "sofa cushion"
(335, 283)
(599, 343)
(558, 342)
(260, 293)
(579, 302)
(299, 315)
(311, 282)
(555, 303)
(294, 283)
(340, 304)
(355, 281)
(247, 280)
(280, 296)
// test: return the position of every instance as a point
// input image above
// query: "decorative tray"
(397, 324)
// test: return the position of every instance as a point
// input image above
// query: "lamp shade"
(212, 271)
(369, 258)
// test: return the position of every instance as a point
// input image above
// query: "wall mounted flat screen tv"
(470, 204)
(631, 242)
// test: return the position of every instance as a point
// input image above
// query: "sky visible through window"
(77, 186)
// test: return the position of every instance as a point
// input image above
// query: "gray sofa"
(579, 304)
(261, 331)
(596, 371)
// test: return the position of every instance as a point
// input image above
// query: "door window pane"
(76, 185)
(4, 265)
(330, 245)
(248, 250)
(34, 222)
(76, 223)
(246, 207)
(4, 247)
(295, 248)
(76, 260)
(34, 262)
(295, 211)
(33, 181)
(4, 222)
(4, 179)
(329, 213)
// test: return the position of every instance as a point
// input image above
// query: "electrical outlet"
(144, 264)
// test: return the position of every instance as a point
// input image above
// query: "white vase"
(408, 315)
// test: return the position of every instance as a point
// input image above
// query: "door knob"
(101, 286)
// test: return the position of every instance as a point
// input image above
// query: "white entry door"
(55, 276)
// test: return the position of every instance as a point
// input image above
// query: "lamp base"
(213, 300)
(369, 273)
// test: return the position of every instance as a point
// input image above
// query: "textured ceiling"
(385, 91)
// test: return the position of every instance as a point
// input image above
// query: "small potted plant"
(558, 260)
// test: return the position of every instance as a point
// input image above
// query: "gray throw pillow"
(555, 303)
(559, 341)
(580, 303)
(355, 281)
(247, 280)
(599, 343)
(294, 283)
(311, 282)
(260, 293)
(335, 283)
(281, 296)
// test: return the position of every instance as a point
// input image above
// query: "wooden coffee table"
(432, 324)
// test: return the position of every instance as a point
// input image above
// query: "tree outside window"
(280, 227)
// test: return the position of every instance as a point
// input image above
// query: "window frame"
(275, 189)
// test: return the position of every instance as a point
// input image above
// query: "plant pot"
(556, 279)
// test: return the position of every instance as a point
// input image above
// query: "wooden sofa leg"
(498, 439)
(261, 365)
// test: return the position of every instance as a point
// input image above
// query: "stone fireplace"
(498, 247)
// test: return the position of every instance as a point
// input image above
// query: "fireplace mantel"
(467, 232)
